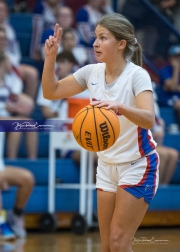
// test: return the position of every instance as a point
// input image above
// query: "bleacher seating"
(22, 24)
(67, 199)
(167, 113)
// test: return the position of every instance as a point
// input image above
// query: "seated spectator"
(168, 156)
(68, 43)
(24, 180)
(171, 9)
(23, 5)
(106, 7)
(43, 19)
(65, 63)
(14, 105)
(169, 89)
(86, 19)
(9, 44)
(64, 17)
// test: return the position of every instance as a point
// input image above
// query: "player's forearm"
(141, 117)
(49, 81)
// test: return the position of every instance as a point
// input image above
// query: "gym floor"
(146, 239)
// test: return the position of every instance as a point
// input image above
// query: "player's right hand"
(52, 44)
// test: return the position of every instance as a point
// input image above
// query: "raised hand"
(52, 44)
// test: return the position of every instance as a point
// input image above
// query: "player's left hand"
(114, 105)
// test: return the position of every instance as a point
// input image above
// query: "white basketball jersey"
(133, 141)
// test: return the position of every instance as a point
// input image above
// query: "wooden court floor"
(145, 240)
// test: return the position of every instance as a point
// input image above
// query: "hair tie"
(135, 41)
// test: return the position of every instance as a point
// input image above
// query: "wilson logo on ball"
(97, 128)
(104, 128)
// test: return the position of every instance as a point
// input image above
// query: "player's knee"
(119, 239)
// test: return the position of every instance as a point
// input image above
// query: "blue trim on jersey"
(146, 187)
(146, 145)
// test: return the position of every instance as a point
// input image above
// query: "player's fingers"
(59, 34)
(47, 42)
(56, 28)
(93, 103)
(51, 40)
(102, 104)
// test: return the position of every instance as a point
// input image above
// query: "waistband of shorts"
(148, 154)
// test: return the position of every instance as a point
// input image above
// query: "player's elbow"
(47, 95)
(150, 122)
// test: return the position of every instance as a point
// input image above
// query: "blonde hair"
(121, 28)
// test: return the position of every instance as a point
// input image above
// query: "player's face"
(105, 45)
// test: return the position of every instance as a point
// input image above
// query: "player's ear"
(122, 43)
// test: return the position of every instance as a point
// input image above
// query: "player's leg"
(138, 184)
(128, 214)
(106, 204)
(107, 182)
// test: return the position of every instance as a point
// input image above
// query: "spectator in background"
(65, 63)
(24, 180)
(106, 7)
(171, 9)
(169, 89)
(86, 19)
(168, 156)
(43, 19)
(64, 17)
(29, 74)
(69, 43)
(16, 106)
(23, 5)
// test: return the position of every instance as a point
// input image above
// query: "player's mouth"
(98, 53)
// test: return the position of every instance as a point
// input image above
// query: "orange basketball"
(96, 129)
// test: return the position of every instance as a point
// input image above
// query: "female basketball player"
(127, 173)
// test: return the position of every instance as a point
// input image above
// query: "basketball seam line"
(96, 129)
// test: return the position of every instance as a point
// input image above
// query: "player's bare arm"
(142, 115)
(52, 88)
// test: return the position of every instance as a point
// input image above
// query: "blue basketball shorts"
(140, 178)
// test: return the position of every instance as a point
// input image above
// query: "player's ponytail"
(137, 55)
(121, 28)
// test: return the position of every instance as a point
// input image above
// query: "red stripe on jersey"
(152, 145)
